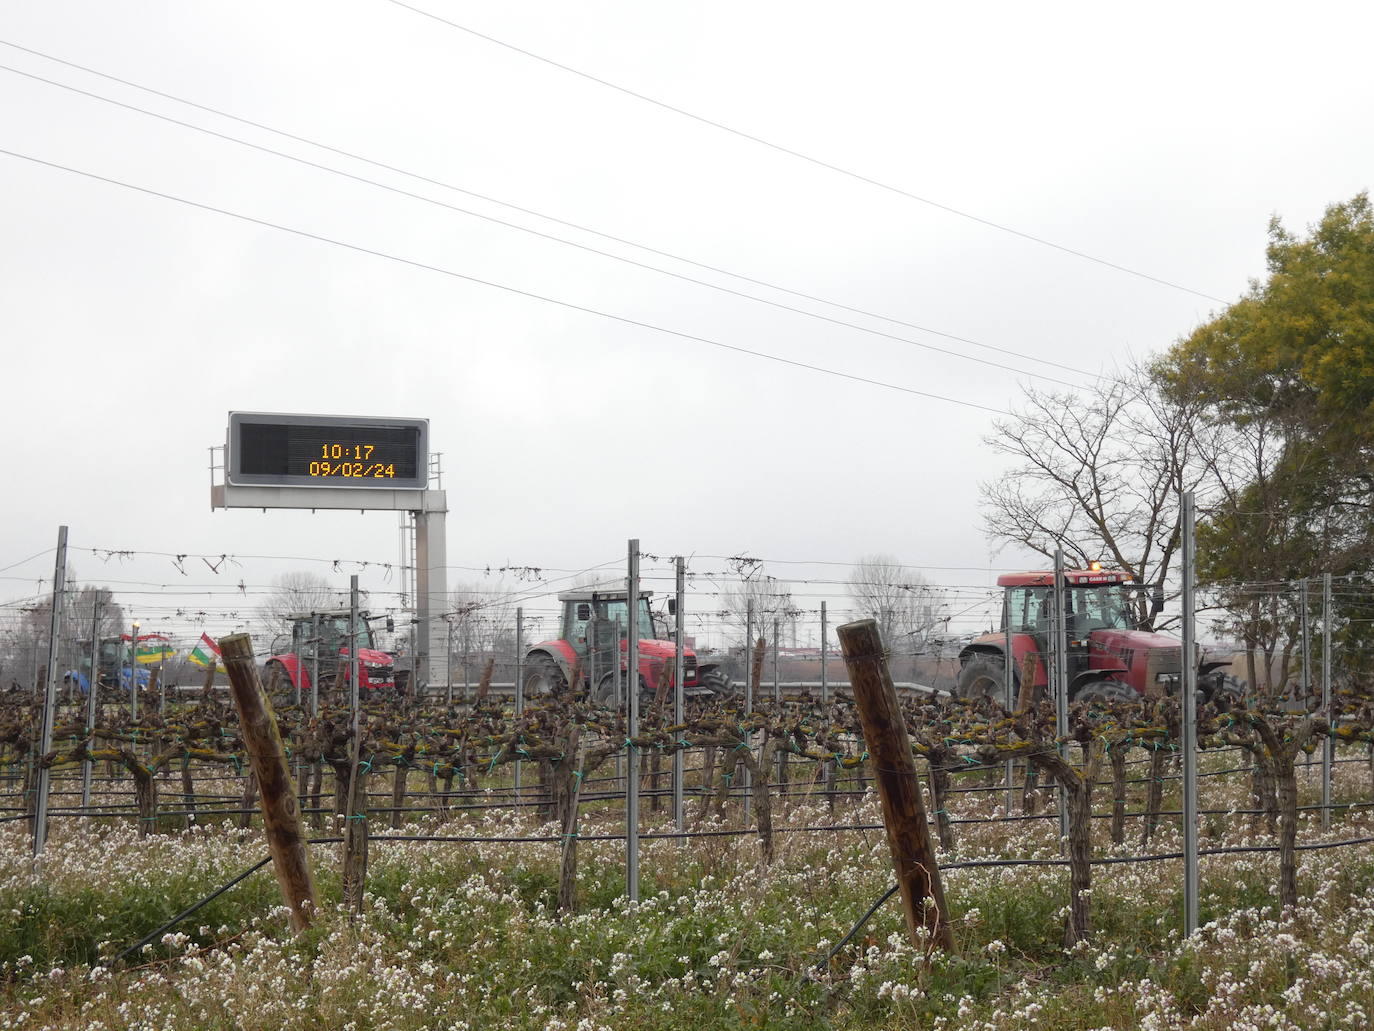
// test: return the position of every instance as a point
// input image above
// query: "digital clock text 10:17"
(351, 460)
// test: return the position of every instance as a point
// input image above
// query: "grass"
(465, 936)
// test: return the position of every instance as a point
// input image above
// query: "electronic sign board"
(267, 449)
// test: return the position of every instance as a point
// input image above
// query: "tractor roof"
(614, 594)
(1075, 578)
(296, 617)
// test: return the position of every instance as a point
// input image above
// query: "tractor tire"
(1108, 691)
(981, 677)
(721, 685)
(543, 677)
(1230, 694)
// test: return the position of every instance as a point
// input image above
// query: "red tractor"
(1109, 656)
(594, 637)
(327, 641)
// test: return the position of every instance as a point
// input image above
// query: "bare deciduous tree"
(1097, 473)
(298, 593)
(905, 607)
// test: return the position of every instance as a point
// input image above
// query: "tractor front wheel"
(1108, 691)
(981, 677)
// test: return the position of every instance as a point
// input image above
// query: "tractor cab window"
(334, 634)
(579, 615)
(617, 611)
(1105, 606)
(1030, 609)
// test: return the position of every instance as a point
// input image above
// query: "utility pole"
(1060, 679)
(679, 676)
(133, 673)
(632, 757)
(59, 584)
(825, 666)
(1329, 741)
(93, 686)
(1188, 707)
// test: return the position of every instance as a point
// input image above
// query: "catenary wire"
(818, 162)
(623, 319)
(546, 236)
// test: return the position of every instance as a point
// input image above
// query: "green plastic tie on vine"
(727, 777)
(238, 765)
(684, 742)
(523, 752)
(741, 745)
(968, 759)
(358, 816)
(629, 743)
(364, 765)
(578, 775)
(569, 837)
(864, 758)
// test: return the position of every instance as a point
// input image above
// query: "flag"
(206, 652)
(154, 649)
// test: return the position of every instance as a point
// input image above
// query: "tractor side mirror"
(584, 611)
(1157, 600)
(672, 606)
(390, 625)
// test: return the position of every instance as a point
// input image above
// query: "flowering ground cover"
(466, 935)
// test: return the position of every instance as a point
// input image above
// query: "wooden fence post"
(280, 811)
(885, 736)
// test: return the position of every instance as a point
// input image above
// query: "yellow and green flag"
(207, 652)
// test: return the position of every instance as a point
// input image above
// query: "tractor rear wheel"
(981, 677)
(1109, 691)
(543, 677)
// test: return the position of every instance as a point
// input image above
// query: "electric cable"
(529, 294)
(542, 235)
(800, 155)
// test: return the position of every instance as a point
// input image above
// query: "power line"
(623, 319)
(534, 232)
(800, 155)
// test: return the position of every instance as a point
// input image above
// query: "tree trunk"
(565, 790)
(188, 790)
(1118, 758)
(398, 792)
(1285, 774)
(1030, 791)
(1154, 794)
(145, 794)
(1079, 923)
(939, 798)
(708, 772)
(250, 800)
(763, 800)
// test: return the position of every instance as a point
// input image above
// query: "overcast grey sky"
(1159, 137)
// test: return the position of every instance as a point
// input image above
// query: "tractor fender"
(969, 651)
(1208, 667)
(291, 663)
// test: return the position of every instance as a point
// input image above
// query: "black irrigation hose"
(193, 909)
